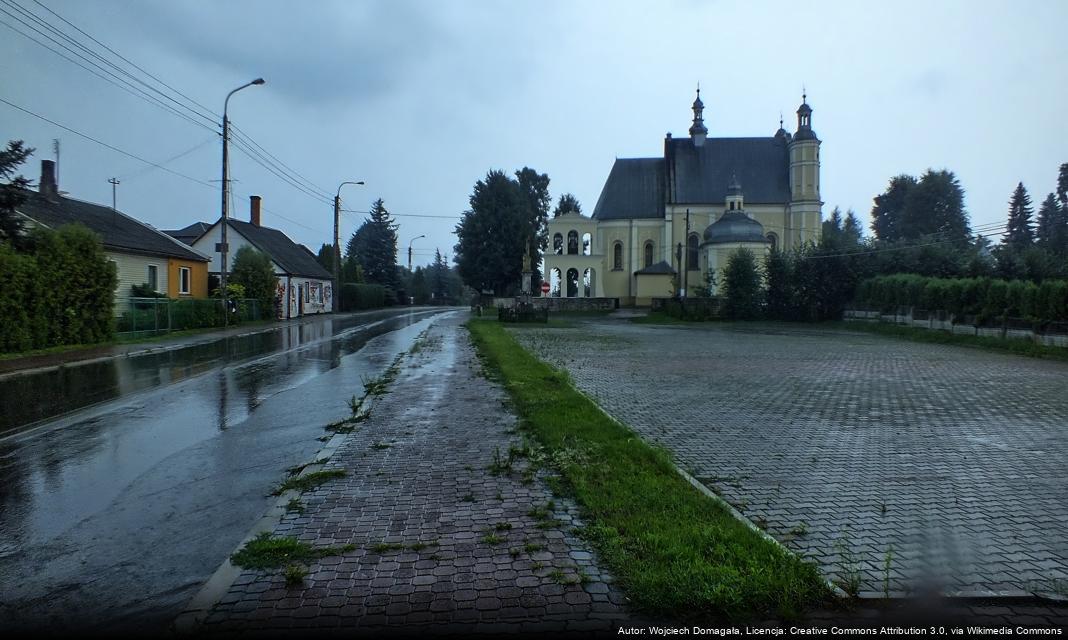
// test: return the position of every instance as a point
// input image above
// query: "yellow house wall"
(198, 278)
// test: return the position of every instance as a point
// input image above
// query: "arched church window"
(732, 206)
(617, 256)
(572, 283)
(572, 243)
(691, 252)
(648, 253)
(773, 241)
(558, 244)
(587, 244)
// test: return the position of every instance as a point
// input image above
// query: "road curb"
(220, 582)
(217, 586)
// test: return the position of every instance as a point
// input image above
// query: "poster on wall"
(280, 296)
(328, 296)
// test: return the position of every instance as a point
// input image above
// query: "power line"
(405, 215)
(104, 144)
(243, 141)
(214, 115)
(99, 57)
(144, 170)
(125, 87)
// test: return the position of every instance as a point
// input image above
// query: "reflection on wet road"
(116, 513)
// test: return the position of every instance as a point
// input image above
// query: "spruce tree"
(12, 192)
(566, 204)
(1048, 219)
(889, 210)
(1018, 234)
(374, 246)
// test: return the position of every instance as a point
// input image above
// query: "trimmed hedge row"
(985, 298)
(362, 296)
(61, 292)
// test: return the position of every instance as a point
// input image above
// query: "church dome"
(734, 226)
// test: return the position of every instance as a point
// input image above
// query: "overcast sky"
(420, 99)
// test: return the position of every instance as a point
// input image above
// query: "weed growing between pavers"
(309, 481)
(673, 549)
(295, 574)
(268, 552)
(295, 506)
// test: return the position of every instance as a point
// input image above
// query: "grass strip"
(673, 549)
(268, 552)
(308, 481)
(1017, 346)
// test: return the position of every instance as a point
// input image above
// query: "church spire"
(698, 131)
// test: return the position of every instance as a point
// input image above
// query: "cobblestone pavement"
(909, 467)
(439, 539)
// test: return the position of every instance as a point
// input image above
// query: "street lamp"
(223, 247)
(337, 244)
(410, 250)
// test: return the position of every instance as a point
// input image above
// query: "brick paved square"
(913, 466)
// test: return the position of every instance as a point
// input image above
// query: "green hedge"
(362, 296)
(985, 298)
(61, 292)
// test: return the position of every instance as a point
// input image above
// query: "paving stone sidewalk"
(441, 543)
(936, 468)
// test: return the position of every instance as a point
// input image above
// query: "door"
(300, 300)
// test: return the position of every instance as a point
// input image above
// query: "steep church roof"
(701, 174)
(634, 189)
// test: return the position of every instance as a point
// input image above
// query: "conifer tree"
(1019, 234)
(1048, 218)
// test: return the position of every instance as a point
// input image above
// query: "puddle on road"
(33, 398)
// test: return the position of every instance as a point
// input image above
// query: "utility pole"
(410, 250)
(336, 305)
(223, 248)
(114, 183)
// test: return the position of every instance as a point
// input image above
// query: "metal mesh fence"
(153, 316)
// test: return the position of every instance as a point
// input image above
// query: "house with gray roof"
(304, 286)
(143, 255)
(662, 225)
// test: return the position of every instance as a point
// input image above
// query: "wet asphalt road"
(111, 517)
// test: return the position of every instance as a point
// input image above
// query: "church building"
(662, 223)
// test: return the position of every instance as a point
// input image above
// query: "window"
(184, 277)
(648, 253)
(307, 293)
(572, 243)
(773, 241)
(617, 256)
(587, 244)
(732, 205)
(691, 252)
(558, 244)
(153, 277)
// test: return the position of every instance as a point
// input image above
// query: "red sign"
(545, 287)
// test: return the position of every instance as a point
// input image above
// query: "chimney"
(47, 187)
(254, 210)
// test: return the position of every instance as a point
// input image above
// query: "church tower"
(697, 130)
(805, 204)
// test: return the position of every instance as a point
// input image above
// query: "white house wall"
(206, 245)
(290, 287)
(133, 270)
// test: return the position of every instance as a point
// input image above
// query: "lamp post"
(223, 248)
(410, 250)
(337, 244)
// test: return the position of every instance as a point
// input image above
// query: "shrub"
(63, 292)
(742, 293)
(362, 296)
